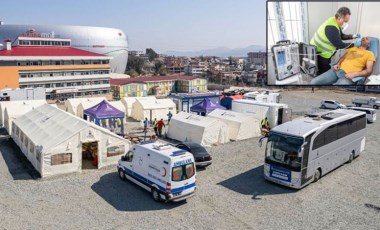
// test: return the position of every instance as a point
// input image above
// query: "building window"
(62, 158)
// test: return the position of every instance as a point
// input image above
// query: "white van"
(370, 113)
(164, 170)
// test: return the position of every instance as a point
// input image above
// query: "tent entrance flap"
(90, 153)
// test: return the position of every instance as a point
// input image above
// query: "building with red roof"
(157, 85)
(33, 61)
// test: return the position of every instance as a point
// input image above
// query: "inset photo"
(323, 43)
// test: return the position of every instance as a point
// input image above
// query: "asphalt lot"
(231, 193)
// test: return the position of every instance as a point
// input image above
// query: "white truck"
(267, 97)
(370, 101)
(167, 172)
(275, 112)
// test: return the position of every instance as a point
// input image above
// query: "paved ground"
(231, 194)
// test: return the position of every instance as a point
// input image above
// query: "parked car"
(331, 104)
(201, 156)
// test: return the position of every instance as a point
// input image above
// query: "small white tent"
(71, 105)
(240, 126)
(128, 103)
(56, 142)
(5, 104)
(202, 130)
(152, 108)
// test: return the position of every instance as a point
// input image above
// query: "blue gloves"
(356, 36)
(358, 43)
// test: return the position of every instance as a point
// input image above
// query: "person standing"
(160, 124)
(170, 115)
(146, 123)
(155, 126)
(265, 126)
(329, 36)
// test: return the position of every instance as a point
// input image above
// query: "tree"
(151, 54)
(135, 63)
(132, 73)
(159, 68)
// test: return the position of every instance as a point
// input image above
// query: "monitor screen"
(281, 58)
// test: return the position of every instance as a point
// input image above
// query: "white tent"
(54, 105)
(55, 141)
(71, 105)
(128, 103)
(120, 106)
(202, 130)
(240, 126)
(275, 112)
(152, 108)
(5, 104)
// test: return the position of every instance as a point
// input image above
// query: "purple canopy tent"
(105, 111)
(205, 107)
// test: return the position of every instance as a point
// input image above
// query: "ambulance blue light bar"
(179, 152)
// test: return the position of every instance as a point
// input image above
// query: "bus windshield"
(282, 150)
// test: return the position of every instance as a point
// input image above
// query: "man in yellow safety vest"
(329, 36)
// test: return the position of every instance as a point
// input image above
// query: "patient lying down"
(358, 61)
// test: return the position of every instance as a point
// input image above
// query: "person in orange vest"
(160, 124)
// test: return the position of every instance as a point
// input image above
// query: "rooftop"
(150, 79)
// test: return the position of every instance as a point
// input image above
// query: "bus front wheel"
(317, 175)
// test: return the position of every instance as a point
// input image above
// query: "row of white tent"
(219, 127)
(136, 107)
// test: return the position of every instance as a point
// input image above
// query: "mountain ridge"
(219, 51)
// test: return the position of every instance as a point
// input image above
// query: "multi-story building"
(258, 58)
(193, 70)
(34, 60)
(136, 53)
(157, 85)
(107, 41)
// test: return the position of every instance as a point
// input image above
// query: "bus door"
(305, 160)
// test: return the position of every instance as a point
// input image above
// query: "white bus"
(371, 113)
(301, 151)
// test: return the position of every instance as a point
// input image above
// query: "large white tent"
(240, 126)
(152, 108)
(202, 130)
(54, 141)
(5, 104)
(71, 104)
(128, 103)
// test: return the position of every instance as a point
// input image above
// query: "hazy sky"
(181, 25)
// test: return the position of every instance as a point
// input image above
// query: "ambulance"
(167, 172)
